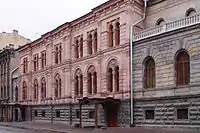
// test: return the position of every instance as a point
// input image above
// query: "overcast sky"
(32, 18)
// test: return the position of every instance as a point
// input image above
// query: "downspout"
(131, 61)
(11, 91)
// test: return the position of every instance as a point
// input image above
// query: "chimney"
(15, 32)
(11, 46)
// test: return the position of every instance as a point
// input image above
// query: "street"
(16, 130)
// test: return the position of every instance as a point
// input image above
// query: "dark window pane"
(182, 114)
(43, 113)
(77, 114)
(35, 113)
(91, 114)
(149, 74)
(182, 68)
(58, 113)
(149, 114)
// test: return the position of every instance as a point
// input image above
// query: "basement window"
(182, 114)
(35, 113)
(91, 114)
(43, 113)
(58, 113)
(149, 114)
(77, 113)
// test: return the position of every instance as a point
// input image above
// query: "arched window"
(78, 83)
(2, 96)
(58, 91)
(110, 35)
(76, 49)
(149, 73)
(95, 82)
(36, 89)
(90, 44)
(89, 83)
(190, 12)
(182, 68)
(81, 47)
(117, 34)
(160, 21)
(16, 94)
(5, 94)
(95, 42)
(43, 89)
(116, 74)
(24, 91)
(76, 86)
(113, 76)
(92, 80)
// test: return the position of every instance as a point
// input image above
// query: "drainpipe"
(11, 91)
(131, 61)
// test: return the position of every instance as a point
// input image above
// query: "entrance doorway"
(16, 114)
(111, 110)
(23, 114)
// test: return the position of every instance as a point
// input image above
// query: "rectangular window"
(25, 65)
(43, 59)
(182, 114)
(58, 53)
(35, 113)
(77, 113)
(58, 113)
(43, 113)
(149, 114)
(91, 114)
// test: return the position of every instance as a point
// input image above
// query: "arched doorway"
(111, 110)
(23, 114)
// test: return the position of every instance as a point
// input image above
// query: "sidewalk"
(63, 128)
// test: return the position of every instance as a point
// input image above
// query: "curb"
(35, 129)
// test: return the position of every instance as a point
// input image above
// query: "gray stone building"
(166, 65)
(5, 63)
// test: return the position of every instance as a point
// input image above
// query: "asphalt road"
(16, 130)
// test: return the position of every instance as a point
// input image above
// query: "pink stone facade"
(103, 57)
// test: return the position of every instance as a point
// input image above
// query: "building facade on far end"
(12, 38)
(79, 72)
(5, 60)
(166, 62)
(9, 72)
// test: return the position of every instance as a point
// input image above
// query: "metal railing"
(185, 22)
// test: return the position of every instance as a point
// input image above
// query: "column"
(113, 80)
(116, 77)
(96, 115)
(94, 79)
(79, 85)
(92, 75)
(80, 113)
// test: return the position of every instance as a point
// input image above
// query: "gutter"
(131, 61)
(11, 90)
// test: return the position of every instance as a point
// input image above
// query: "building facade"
(79, 72)
(12, 38)
(5, 60)
(166, 65)
(9, 65)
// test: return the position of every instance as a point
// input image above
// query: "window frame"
(180, 68)
(149, 74)
(180, 116)
(145, 114)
